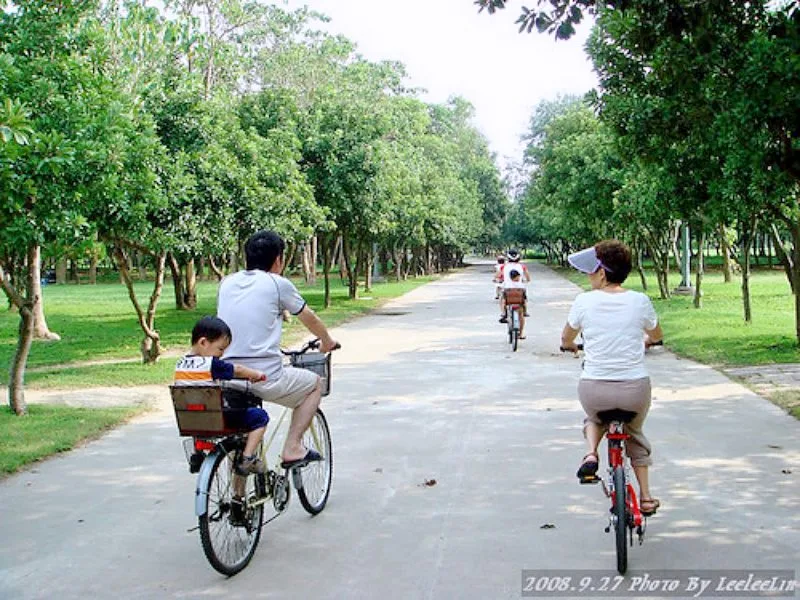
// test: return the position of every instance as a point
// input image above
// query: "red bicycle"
(626, 514)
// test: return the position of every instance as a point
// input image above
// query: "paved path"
(427, 390)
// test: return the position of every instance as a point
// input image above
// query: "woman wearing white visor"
(617, 325)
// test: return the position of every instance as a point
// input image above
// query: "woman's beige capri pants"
(597, 395)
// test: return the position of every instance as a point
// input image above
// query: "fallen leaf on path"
(378, 470)
(547, 526)
(786, 471)
(430, 482)
(774, 446)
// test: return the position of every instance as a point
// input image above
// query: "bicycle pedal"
(591, 480)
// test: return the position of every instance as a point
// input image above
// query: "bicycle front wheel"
(230, 531)
(620, 516)
(317, 476)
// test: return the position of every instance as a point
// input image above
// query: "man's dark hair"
(211, 328)
(616, 258)
(262, 249)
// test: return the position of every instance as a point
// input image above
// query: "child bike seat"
(238, 399)
(616, 414)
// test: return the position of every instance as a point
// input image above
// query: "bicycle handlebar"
(310, 345)
(579, 347)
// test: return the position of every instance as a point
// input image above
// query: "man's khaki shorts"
(289, 390)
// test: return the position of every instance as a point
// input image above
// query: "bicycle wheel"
(230, 534)
(317, 476)
(515, 330)
(621, 525)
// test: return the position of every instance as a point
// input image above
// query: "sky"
(449, 49)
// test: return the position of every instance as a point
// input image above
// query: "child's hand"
(257, 376)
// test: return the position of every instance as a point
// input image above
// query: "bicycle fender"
(203, 478)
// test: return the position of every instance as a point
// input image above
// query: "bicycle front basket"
(317, 362)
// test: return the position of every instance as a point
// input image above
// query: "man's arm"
(315, 325)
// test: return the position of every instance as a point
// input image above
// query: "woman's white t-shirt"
(613, 327)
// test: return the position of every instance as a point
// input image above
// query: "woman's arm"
(653, 335)
(568, 336)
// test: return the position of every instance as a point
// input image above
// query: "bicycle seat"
(616, 414)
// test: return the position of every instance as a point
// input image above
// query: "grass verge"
(47, 430)
(97, 324)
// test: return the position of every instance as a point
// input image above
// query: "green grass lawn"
(717, 333)
(47, 430)
(98, 323)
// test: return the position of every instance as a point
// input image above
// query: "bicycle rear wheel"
(230, 533)
(316, 478)
(620, 516)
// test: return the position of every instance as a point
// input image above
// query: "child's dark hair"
(211, 328)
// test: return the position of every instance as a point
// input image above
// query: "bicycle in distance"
(514, 299)
(231, 508)
(626, 517)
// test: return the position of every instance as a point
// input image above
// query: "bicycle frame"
(205, 469)
(616, 458)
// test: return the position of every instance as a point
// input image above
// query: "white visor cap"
(585, 261)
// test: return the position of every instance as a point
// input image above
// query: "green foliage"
(716, 335)
(47, 430)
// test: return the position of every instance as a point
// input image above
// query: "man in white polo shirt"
(251, 302)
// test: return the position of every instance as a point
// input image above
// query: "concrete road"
(426, 389)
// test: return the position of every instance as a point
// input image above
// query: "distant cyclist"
(514, 293)
(498, 275)
(513, 257)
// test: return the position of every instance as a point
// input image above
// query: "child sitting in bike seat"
(203, 366)
(514, 293)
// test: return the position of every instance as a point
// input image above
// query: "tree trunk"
(288, 256)
(177, 283)
(201, 268)
(190, 283)
(784, 257)
(216, 270)
(327, 262)
(660, 253)
(93, 269)
(698, 282)
(312, 259)
(637, 257)
(725, 250)
(674, 243)
(61, 271)
(794, 228)
(16, 383)
(151, 347)
(397, 263)
(34, 294)
(74, 276)
(141, 267)
(747, 242)
(347, 260)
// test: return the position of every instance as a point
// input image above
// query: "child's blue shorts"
(247, 419)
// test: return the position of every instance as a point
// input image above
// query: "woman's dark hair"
(262, 249)
(211, 328)
(616, 259)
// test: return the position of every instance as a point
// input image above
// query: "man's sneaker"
(250, 465)
(503, 319)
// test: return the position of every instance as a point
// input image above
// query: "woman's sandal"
(587, 472)
(653, 504)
